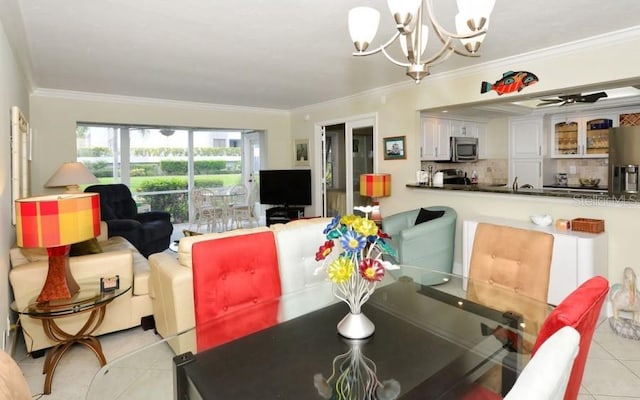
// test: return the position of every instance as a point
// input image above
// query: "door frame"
(318, 172)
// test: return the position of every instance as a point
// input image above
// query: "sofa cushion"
(90, 246)
(425, 215)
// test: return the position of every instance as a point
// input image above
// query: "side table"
(88, 300)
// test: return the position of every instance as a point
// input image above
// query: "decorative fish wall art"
(510, 82)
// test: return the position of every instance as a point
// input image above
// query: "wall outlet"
(572, 169)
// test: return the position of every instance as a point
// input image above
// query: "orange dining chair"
(237, 277)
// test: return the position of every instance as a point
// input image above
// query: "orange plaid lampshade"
(57, 220)
(375, 185)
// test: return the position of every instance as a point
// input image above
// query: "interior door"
(251, 165)
(348, 152)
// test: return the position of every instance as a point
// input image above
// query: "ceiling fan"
(573, 98)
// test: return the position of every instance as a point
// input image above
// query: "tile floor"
(612, 371)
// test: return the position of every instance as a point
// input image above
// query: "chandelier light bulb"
(405, 13)
(363, 25)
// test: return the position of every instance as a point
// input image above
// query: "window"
(161, 164)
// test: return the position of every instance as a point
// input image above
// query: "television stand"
(282, 215)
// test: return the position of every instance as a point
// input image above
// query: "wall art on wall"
(301, 153)
(510, 82)
(20, 157)
(394, 148)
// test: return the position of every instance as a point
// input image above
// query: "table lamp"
(55, 222)
(70, 175)
(375, 186)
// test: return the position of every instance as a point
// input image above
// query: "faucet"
(514, 186)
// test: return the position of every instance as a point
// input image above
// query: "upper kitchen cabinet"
(435, 133)
(583, 136)
(526, 137)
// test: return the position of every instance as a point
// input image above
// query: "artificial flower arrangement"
(359, 266)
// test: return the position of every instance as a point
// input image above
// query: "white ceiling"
(279, 54)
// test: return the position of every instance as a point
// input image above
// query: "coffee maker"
(624, 161)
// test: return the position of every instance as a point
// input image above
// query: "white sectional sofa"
(29, 269)
(171, 275)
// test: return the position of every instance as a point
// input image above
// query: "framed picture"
(394, 148)
(301, 153)
(20, 158)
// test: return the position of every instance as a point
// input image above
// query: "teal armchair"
(429, 244)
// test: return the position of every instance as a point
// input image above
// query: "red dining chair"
(237, 277)
(579, 310)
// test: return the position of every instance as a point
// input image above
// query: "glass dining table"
(430, 342)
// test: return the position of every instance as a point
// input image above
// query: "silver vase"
(356, 326)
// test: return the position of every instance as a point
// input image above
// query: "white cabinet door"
(435, 139)
(482, 141)
(527, 170)
(581, 135)
(526, 137)
(464, 128)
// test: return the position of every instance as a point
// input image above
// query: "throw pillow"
(427, 215)
(90, 246)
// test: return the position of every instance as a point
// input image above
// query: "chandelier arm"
(398, 63)
(380, 48)
(445, 52)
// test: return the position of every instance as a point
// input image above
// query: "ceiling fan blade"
(591, 98)
(546, 102)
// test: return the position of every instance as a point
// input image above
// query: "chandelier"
(471, 23)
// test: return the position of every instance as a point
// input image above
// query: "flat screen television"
(285, 187)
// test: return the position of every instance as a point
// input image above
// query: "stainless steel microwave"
(464, 149)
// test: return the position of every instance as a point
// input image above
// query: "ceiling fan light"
(363, 25)
(405, 13)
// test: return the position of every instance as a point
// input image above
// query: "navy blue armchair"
(150, 232)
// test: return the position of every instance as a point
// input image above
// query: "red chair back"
(580, 310)
(236, 276)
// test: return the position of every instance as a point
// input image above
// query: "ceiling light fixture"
(471, 22)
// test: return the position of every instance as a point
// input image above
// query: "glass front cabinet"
(584, 136)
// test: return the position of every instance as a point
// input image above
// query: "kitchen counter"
(564, 192)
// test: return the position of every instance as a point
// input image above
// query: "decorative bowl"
(541, 219)
(589, 182)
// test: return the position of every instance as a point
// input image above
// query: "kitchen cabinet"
(577, 256)
(526, 139)
(581, 136)
(435, 133)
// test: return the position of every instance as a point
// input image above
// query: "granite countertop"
(565, 192)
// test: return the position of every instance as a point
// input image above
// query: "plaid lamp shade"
(57, 220)
(375, 185)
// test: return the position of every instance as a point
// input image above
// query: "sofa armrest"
(171, 291)
(28, 279)
(394, 224)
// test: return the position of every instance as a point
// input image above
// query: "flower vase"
(356, 326)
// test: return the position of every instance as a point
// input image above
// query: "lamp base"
(375, 214)
(59, 283)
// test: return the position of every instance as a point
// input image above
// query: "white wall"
(54, 115)
(14, 92)
(582, 64)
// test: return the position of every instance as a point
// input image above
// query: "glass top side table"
(89, 299)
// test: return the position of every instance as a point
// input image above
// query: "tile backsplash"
(490, 172)
(584, 168)
(496, 171)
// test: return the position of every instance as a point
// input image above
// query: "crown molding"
(148, 101)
